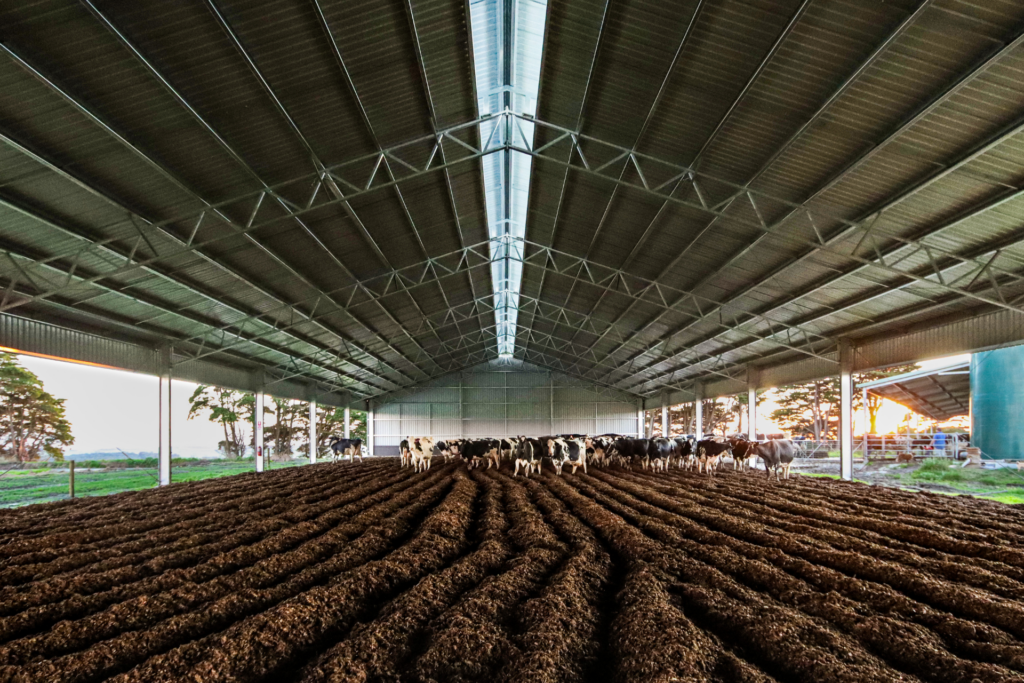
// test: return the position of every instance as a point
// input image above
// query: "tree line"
(32, 420)
(235, 412)
(810, 409)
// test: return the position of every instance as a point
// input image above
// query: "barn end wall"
(497, 399)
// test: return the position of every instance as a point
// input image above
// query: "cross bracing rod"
(1004, 287)
(975, 264)
(551, 261)
(291, 365)
(368, 125)
(324, 360)
(852, 78)
(151, 233)
(643, 129)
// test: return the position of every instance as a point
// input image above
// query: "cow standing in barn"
(743, 457)
(526, 457)
(404, 453)
(778, 454)
(659, 453)
(709, 453)
(567, 451)
(421, 449)
(350, 448)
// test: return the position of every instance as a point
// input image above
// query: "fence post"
(71, 480)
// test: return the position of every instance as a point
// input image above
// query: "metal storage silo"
(997, 402)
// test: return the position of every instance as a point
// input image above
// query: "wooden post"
(71, 480)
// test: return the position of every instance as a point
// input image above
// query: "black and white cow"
(567, 451)
(421, 450)
(659, 453)
(709, 453)
(778, 454)
(527, 458)
(404, 453)
(341, 448)
(684, 451)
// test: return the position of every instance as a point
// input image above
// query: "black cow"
(777, 454)
(341, 448)
(659, 453)
(743, 456)
(476, 451)
(633, 451)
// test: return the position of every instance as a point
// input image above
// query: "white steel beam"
(258, 450)
(846, 361)
(312, 432)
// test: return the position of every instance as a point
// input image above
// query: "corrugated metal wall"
(500, 398)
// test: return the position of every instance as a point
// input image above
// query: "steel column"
(866, 418)
(698, 410)
(348, 423)
(664, 418)
(846, 409)
(312, 432)
(369, 428)
(164, 421)
(752, 377)
(258, 429)
(640, 421)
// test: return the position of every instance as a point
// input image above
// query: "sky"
(111, 409)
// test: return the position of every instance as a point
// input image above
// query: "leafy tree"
(330, 422)
(810, 408)
(813, 407)
(227, 407)
(31, 419)
(874, 400)
(290, 417)
(740, 407)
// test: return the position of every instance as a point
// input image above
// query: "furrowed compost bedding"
(370, 572)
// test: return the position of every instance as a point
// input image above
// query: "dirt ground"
(370, 572)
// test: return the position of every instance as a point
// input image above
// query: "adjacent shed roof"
(715, 184)
(940, 393)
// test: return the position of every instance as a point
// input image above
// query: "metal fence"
(882, 445)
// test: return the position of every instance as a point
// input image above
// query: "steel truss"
(987, 281)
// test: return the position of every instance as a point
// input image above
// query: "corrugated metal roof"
(907, 116)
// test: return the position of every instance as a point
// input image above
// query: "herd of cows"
(579, 450)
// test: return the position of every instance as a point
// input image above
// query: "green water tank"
(997, 403)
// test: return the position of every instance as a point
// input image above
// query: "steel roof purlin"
(368, 196)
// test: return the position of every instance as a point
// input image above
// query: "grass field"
(44, 485)
(1003, 485)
